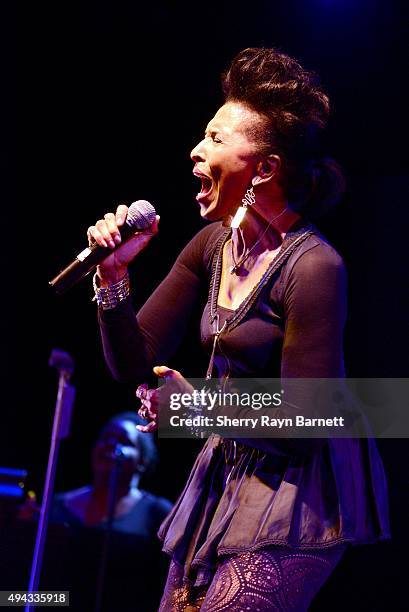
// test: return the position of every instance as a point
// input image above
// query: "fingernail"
(111, 244)
(104, 244)
(117, 238)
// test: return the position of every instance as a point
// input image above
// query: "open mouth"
(207, 185)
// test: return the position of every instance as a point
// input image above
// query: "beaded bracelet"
(109, 297)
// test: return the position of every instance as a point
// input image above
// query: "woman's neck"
(93, 505)
(266, 224)
(125, 486)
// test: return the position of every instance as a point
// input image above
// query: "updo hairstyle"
(294, 110)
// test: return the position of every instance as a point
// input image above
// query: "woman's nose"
(197, 153)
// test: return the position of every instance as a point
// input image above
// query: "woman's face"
(123, 433)
(225, 161)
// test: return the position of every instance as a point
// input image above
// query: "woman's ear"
(267, 168)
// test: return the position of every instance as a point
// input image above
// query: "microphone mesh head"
(141, 214)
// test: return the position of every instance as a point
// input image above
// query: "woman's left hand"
(151, 399)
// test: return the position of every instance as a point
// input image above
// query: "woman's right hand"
(105, 232)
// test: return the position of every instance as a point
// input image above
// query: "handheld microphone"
(141, 215)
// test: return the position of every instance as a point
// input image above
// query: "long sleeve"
(134, 344)
(314, 304)
(315, 312)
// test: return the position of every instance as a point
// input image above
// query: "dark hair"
(149, 451)
(294, 110)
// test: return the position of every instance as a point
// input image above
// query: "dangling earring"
(248, 200)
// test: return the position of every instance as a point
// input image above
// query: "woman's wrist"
(106, 279)
(110, 296)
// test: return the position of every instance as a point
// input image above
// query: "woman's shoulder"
(316, 253)
(209, 234)
(202, 245)
(313, 269)
(158, 506)
(70, 504)
(70, 497)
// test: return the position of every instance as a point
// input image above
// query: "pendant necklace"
(238, 264)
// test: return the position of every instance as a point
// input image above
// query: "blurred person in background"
(133, 548)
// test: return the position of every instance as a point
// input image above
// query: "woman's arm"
(314, 303)
(134, 344)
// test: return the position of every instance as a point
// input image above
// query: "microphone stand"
(62, 416)
(113, 486)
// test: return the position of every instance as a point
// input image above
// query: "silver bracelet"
(109, 297)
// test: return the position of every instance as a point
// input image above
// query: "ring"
(91, 240)
(141, 393)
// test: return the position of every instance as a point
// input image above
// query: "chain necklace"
(238, 264)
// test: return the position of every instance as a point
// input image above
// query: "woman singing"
(260, 524)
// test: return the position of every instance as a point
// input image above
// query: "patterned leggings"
(273, 579)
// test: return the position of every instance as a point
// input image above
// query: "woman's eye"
(213, 136)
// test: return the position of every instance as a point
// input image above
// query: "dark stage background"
(113, 95)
